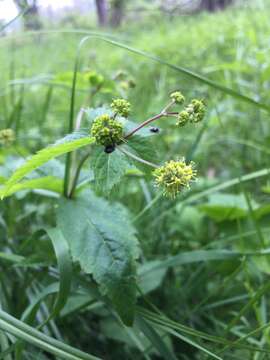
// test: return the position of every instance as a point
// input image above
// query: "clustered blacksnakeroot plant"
(117, 150)
(173, 176)
(7, 137)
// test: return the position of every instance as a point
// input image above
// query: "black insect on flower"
(109, 149)
(154, 129)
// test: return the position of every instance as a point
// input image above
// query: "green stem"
(137, 158)
(71, 116)
(70, 129)
(77, 174)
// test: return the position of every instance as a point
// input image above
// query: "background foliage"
(203, 267)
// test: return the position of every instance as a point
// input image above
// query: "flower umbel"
(7, 137)
(174, 176)
(178, 97)
(182, 118)
(192, 113)
(196, 110)
(121, 107)
(107, 131)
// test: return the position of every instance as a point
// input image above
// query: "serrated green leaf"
(76, 135)
(108, 168)
(50, 183)
(43, 156)
(102, 240)
(142, 147)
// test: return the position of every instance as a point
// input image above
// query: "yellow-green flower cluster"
(106, 130)
(174, 176)
(197, 110)
(121, 107)
(7, 137)
(182, 118)
(193, 113)
(177, 97)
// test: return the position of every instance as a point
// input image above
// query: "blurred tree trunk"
(214, 5)
(101, 12)
(224, 3)
(31, 18)
(117, 12)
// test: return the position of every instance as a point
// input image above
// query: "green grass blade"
(190, 342)
(165, 321)
(65, 269)
(34, 337)
(227, 184)
(71, 114)
(188, 73)
(257, 296)
(155, 339)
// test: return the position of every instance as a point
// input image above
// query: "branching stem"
(148, 121)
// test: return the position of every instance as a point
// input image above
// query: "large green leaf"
(150, 280)
(102, 240)
(63, 146)
(108, 168)
(143, 147)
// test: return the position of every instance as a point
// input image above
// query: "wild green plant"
(202, 259)
(99, 234)
(116, 144)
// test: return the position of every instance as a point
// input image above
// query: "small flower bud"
(193, 113)
(174, 176)
(182, 118)
(178, 97)
(121, 107)
(94, 78)
(196, 110)
(106, 130)
(7, 137)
